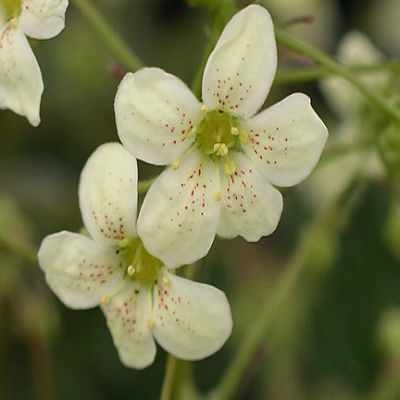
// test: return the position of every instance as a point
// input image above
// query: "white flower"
(141, 300)
(224, 159)
(21, 84)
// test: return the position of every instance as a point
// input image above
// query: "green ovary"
(141, 266)
(12, 8)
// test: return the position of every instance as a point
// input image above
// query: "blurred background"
(337, 336)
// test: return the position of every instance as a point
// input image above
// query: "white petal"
(179, 216)
(251, 206)
(240, 70)
(43, 19)
(126, 314)
(108, 194)
(286, 140)
(191, 320)
(154, 112)
(78, 270)
(21, 84)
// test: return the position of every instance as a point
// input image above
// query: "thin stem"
(320, 57)
(144, 186)
(288, 282)
(122, 52)
(25, 251)
(309, 74)
(169, 378)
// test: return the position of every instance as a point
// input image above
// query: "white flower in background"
(141, 300)
(224, 160)
(358, 119)
(21, 84)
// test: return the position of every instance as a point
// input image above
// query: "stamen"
(175, 165)
(243, 136)
(204, 108)
(123, 242)
(131, 270)
(230, 167)
(234, 131)
(192, 132)
(104, 300)
(221, 149)
(14, 22)
(150, 322)
(165, 280)
(218, 196)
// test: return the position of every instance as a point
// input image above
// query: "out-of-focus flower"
(140, 298)
(21, 84)
(224, 160)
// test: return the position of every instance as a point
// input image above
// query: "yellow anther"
(175, 165)
(230, 167)
(218, 196)
(150, 322)
(131, 270)
(234, 131)
(221, 149)
(123, 242)
(104, 300)
(165, 280)
(14, 22)
(204, 108)
(243, 136)
(192, 132)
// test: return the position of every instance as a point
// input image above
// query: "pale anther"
(221, 149)
(14, 22)
(243, 136)
(150, 322)
(131, 270)
(123, 242)
(234, 131)
(204, 108)
(192, 132)
(218, 196)
(175, 165)
(165, 280)
(104, 300)
(230, 167)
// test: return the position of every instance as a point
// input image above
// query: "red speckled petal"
(240, 70)
(78, 270)
(108, 194)
(179, 216)
(21, 84)
(251, 206)
(42, 19)
(191, 320)
(154, 112)
(126, 314)
(286, 140)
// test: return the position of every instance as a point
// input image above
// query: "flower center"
(218, 135)
(12, 8)
(139, 264)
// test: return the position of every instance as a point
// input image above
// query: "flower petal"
(43, 19)
(240, 70)
(251, 206)
(21, 84)
(179, 216)
(126, 314)
(191, 320)
(286, 140)
(78, 270)
(154, 112)
(108, 194)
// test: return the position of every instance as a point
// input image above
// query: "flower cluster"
(21, 84)
(224, 163)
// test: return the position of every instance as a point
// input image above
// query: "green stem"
(27, 252)
(263, 321)
(144, 186)
(309, 74)
(169, 378)
(122, 52)
(320, 57)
